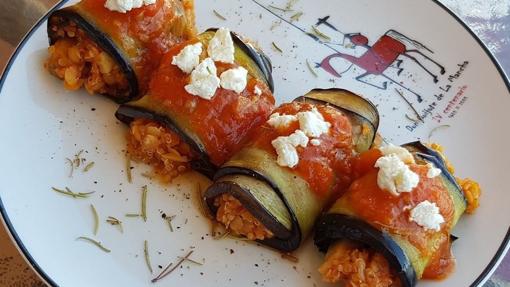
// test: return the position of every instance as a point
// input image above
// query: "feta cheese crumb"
(426, 214)
(257, 91)
(234, 79)
(221, 46)
(204, 80)
(433, 170)
(124, 6)
(281, 121)
(312, 123)
(286, 148)
(395, 176)
(188, 58)
(315, 142)
(400, 152)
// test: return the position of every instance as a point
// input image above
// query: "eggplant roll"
(174, 130)
(261, 195)
(113, 53)
(377, 237)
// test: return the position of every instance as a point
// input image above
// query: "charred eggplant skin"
(288, 244)
(335, 227)
(298, 225)
(424, 152)
(127, 114)
(71, 14)
(351, 104)
(261, 60)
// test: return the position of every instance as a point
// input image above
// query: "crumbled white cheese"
(257, 91)
(204, 80)
(426, 214)
(281, 121)
(400, 152)
(188, 58)
(312, 123)
(221, 46)
(315, 142)
(234, 79)
(395, 176)
(124, 6)
(433, 170)
(286, 148)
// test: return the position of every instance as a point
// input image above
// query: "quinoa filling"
(156, 145)
(238, 220)
(354, 265)
(80, 62)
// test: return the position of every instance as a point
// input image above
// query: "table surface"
(490, 19)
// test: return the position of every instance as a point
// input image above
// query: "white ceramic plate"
(42, 124)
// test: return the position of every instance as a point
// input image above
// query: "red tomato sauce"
(388, 212)
(144, 33)
(223, 123)
(326, 167)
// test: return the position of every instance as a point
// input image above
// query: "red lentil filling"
(238, 220)
(354, 265)
(80, 62)
(156, 145)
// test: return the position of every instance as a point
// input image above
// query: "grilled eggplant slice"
(410, 258)
(213, 129)
(287, 201)
(114, 53)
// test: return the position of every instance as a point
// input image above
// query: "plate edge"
(482, 278)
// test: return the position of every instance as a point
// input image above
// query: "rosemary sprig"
(275, 24)
(144, 203)
(312, 70)
(280, 9)
(436, 129)
(276, 47)
(96, 219)
(71, 163)
(290, 4)
(96, 243)
(318, 32)
(69, 192)
(114, 221)
(165, 273)
(143, 208)
(191, 260)
(146, 254)
(219, 15)
(88, 166)
(296, 16)
(77, 159)
(128, 169)
(169, 220)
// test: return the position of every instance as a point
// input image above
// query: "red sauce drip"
(388, 212)
(223, 123)
(326, 167)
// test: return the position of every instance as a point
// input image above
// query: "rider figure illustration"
(387, 52)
